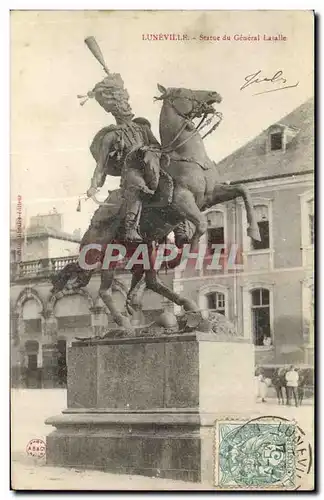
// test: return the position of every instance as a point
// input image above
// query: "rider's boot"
(131, 232)
(133, 213)
(183, 232)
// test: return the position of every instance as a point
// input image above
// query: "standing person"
(301, 387)
(257, 372)
(292, 384)
(262, 388)
(282, 375)
(277, 383)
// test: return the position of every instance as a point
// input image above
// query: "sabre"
(93, 198)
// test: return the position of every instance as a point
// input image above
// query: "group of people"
(289, 384)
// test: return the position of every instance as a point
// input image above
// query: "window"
(33, 325)
(215, 231)
(32, 362)
(31, 348)
(310, 205)
(215, 236)
(262, 216)
(261, 316)
(276, 141)
(216, 301)
(77, 321)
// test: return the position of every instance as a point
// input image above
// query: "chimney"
(77, 234)
(52, 220)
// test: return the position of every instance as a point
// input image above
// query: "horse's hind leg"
(136, 292)
(154, 283)
(107, 277)
(223, 192)
(253, 229)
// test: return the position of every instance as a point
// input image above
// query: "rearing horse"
(196, 188)
(196, 180)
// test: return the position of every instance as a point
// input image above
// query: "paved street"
(31, 407)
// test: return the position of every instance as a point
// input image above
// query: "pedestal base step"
(144, 446)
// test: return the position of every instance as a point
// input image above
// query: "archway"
(68, 316)
(27, 331)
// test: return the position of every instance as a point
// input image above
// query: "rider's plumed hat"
(111, 89)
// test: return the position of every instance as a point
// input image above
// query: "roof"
(251, 161)
(41, 232)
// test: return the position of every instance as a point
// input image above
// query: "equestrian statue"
(165, 187)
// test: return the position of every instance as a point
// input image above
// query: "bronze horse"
(196, 180)
(196, 188)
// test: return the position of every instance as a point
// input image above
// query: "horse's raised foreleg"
(154, 283)
(107, 277)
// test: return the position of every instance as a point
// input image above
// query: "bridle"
(197, 106)
(170, 98)
(204, 122)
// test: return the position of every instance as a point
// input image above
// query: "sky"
(51, 164)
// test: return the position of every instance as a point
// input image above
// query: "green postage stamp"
(256, 454)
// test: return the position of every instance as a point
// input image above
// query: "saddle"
(163, 195)
(153, 171)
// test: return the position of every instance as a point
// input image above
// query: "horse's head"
(190, 103)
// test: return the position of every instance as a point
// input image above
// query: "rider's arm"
(100, 173)
(99, 177)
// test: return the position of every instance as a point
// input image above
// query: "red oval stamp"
(36, 448)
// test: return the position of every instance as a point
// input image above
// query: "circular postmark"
(264, 452)
(36, 448)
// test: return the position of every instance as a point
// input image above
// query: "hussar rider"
(127, 149)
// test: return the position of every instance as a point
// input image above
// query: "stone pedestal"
(148, 405)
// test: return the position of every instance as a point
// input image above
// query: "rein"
(204, 122)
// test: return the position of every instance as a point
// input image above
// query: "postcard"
(162, 250)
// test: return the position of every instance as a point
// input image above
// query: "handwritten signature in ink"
(277, 78)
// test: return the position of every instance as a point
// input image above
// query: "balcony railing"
(43, 268)
(39, 268)
(60, 262)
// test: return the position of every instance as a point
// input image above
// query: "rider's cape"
(127, 137)
(110, 208)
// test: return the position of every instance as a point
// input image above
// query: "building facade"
(270, 293)
(43, 325)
